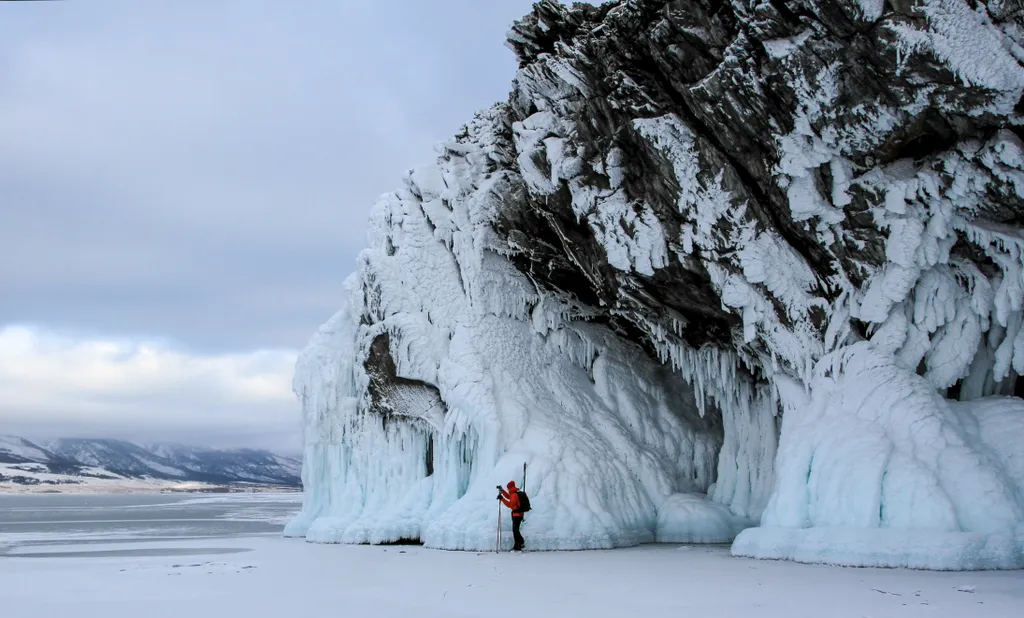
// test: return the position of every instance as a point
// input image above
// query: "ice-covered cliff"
(715, 266)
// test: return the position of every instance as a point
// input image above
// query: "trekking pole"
(497, 547)
(524, 476)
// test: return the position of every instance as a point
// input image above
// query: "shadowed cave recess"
(744, 271)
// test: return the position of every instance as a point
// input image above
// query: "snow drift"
(713, 267)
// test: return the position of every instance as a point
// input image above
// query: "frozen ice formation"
(714, 269)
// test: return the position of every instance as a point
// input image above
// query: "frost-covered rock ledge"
(715, 267)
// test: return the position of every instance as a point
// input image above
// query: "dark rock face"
(394, 396)
(741, 76)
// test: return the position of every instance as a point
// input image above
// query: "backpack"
(524, 501)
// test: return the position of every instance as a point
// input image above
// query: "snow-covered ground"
(216, 556)
(276, 577)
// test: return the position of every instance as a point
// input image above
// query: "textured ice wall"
(875, 468)
(610, 435)
(873, 289)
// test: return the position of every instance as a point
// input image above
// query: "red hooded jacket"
(510, 499)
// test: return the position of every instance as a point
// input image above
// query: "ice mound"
(875, 468)
(693, 518)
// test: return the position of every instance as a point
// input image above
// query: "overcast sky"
(185, 185)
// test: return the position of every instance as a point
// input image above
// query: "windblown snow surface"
(845, 396)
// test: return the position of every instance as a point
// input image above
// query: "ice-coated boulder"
(713, 265)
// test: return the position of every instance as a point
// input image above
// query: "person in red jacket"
(510, 499)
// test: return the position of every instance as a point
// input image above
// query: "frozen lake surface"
(33, 524)
(127, 556)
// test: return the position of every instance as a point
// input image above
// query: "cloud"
(204, 171)
(201, 173)
(150, 390)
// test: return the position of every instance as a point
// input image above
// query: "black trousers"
(516, 522)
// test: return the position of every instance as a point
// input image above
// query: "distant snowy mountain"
(20, 450)
(77, 461)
